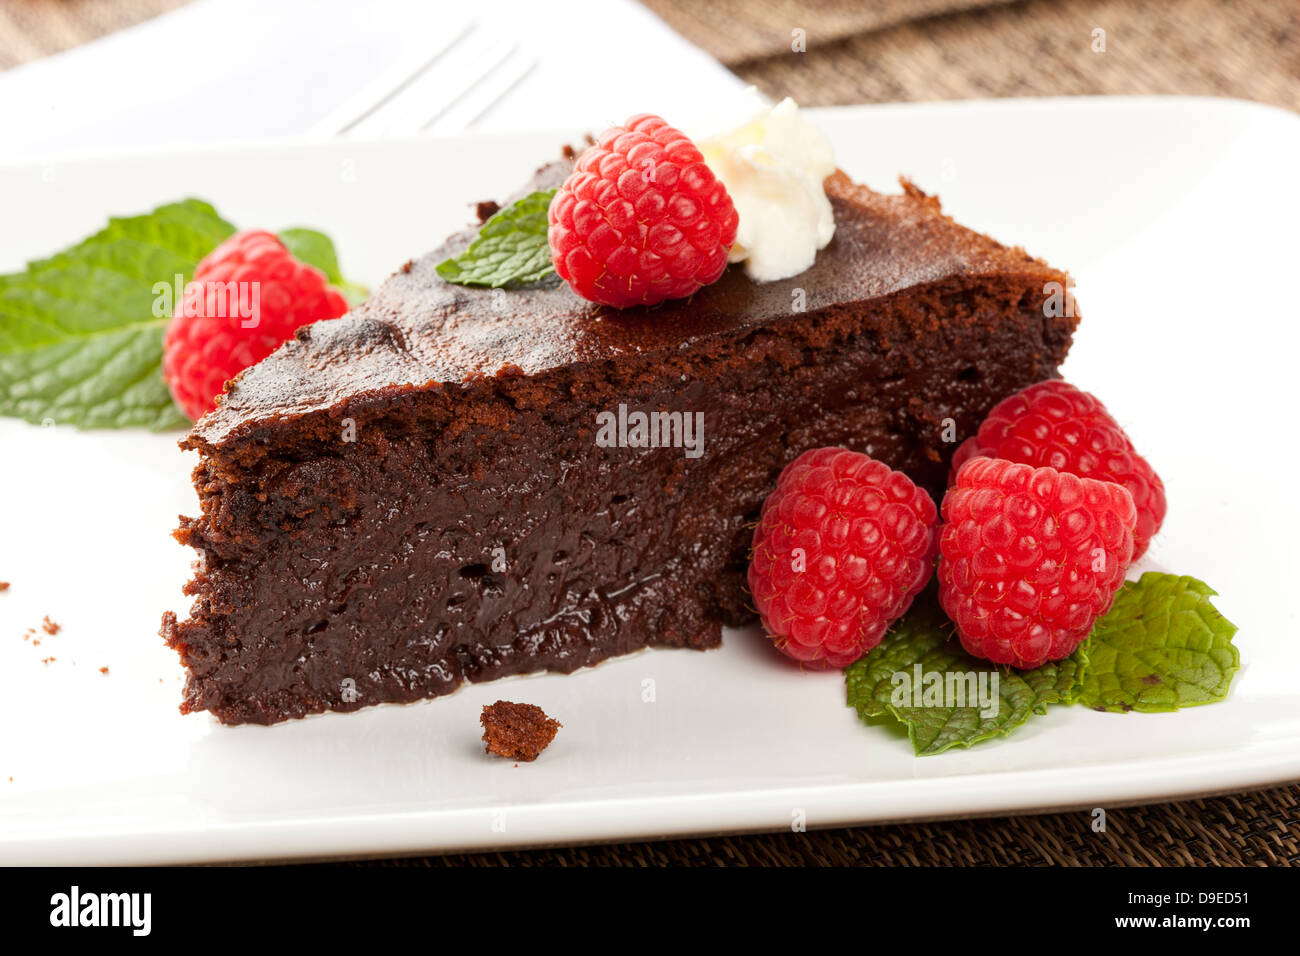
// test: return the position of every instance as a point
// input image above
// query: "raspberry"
(1055, 425)
(250, 279)
(1030, 557)
(641, 219)
(843, 545)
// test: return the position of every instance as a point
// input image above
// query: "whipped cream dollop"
(773, 163)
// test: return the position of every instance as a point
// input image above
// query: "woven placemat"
(923, 50)
(736, 31)
(1255, 829)
(30, 29)
(1248, 49)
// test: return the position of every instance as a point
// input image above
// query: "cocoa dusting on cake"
(517, 731)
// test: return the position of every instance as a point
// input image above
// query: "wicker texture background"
(926, 50)
(874, 52)
(1257, 829)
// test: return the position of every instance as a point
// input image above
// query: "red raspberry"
(250, 280)
(1030, 558)
(1055, 425)
(641, 219)
(843, 545)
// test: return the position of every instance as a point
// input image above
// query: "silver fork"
(444, 90)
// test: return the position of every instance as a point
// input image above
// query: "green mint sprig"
(1162, 646)
(510, 249)
(81, 331)
(934, 674)
(80, 334)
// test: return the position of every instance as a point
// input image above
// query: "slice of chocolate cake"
(455, 484)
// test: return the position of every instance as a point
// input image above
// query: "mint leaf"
(317, 249)
(81, 332)
(920, 676)
(1162, 646)
(511, 248)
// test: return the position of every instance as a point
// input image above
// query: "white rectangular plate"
(1177, 218)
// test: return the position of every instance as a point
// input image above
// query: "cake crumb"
(47, 661)
(103, 670)
(486, 209)
(517, 731)
(4, 586)
(50, 627)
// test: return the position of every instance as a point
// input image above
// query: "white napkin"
(223, 71)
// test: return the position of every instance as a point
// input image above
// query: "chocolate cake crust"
(414, 495)
(417, 330)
